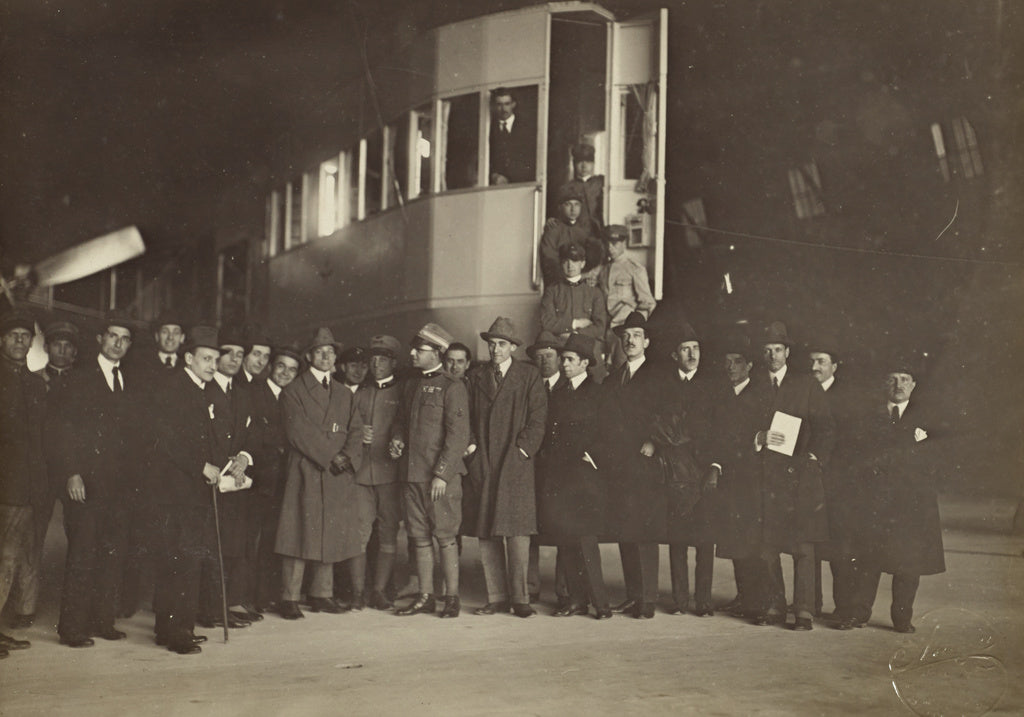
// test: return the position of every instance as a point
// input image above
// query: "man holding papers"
(796, 441)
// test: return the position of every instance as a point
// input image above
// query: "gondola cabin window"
(460, 137)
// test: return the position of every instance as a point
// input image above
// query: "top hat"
(202, 337)
(502, 328)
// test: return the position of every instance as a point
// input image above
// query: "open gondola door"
(637, 81)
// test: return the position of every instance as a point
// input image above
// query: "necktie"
(626, 376)
(497, 375)
(228, 390)
(504, 127)
(168, 363)
(895, 415)
(775, 382)
(327, 383)
(116, 372)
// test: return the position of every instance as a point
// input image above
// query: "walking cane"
(220, 563)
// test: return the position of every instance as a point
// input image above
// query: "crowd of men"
(254, 478)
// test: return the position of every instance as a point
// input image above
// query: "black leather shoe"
(492, 608)
(357, 603)
(626, 606)
(184, 647)
(22, 622)
(251, 613)
(110, 634)
(379, 601)
(704, 611)
(77, 641)
(233, 622)
(905, 629)
(848, 623)
(328, 605)
(768, 618)
(163, 640)
(289, 610)
(603, 613)
(645, 611)
(452, 606)
(423, 604)
(570, 611)
(803, 624)
(674, 609)
(243, 616)
(534, 597)
(9, 643)
(523, 609)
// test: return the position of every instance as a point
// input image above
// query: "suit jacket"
(181, 444)
(901, 532)
(97, 435)
(268, 443)
(324, 516)
(793, 495)
(229, 434)
(500, 498)
(378, 408)
(514, 154)
(433, 422)
(630, 417)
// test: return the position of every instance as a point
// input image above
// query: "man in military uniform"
(430, 434)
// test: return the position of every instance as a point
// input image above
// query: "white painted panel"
(633, 58)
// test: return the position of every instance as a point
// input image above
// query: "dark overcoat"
(792, 492)
(636, 511)
(182, 446)
(378, 408)
(23, 479)
(232, 419)
(572, 496)
(901, 531)
(324, 517)
(499, 497)
(735, 421)
(682, 431)
(267, 440)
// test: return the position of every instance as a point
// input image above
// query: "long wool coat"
(900, 514)
(230, 422)
(792, 492)
(323, 516)
(637, 512)
(572, 495)
(499, 498)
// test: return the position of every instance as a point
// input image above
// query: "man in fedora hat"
(97, 427)
(322, 511)
(568, 228)
(22, 470)
(269, 448)
(899, 514)
(430, 434)
(571, 493)
(181, 472)
(508, 407)
(793, 497)
(378, 400)
(637, 518)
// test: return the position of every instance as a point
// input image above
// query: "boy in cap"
(430, 433)
(572, 305)
(627, 287)
(568, 228)
(377, 401)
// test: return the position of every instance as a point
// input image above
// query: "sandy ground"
(966, 657)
